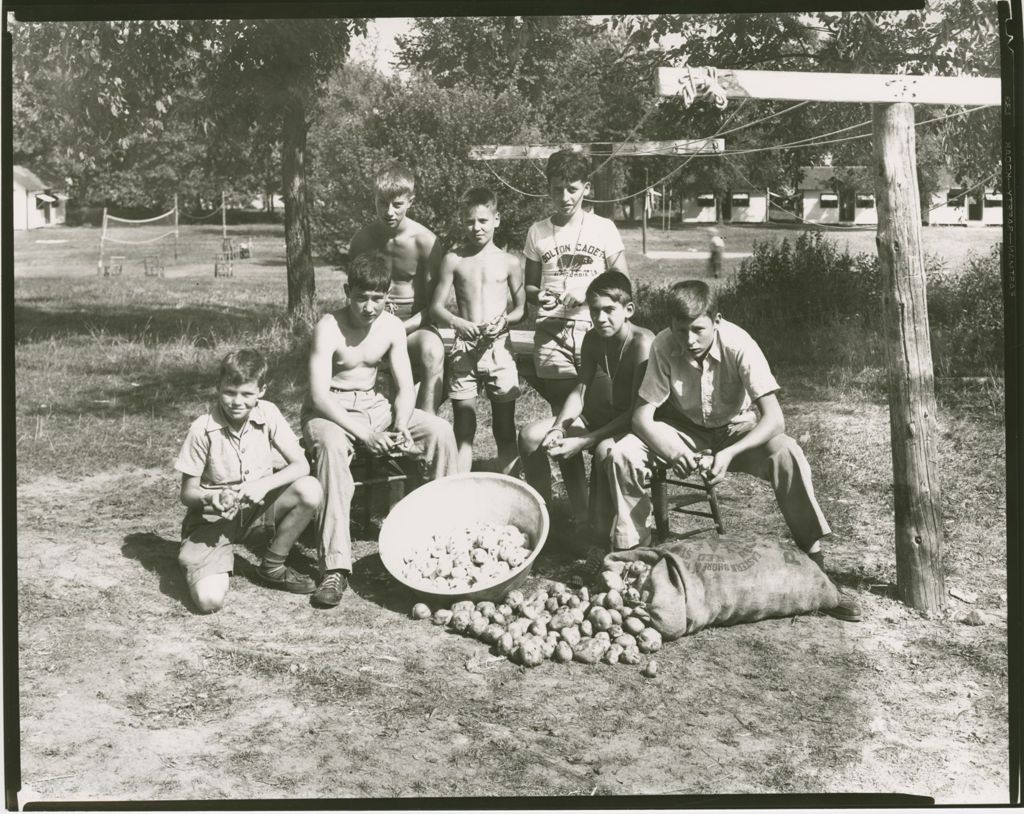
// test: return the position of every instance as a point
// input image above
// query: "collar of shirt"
(218, 421)
(714, 352)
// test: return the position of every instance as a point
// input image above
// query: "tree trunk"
(301, 279)
(909, 357)
(603, 183)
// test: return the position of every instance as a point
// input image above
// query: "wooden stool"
(370, 472)
(222, 265)
(154, 265)
(661, 477)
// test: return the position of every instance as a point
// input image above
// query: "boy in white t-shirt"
(564, 253)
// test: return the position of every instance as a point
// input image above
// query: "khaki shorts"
(206, 545)
(490, 363)
(557, 344)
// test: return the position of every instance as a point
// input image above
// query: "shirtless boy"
(486, 279)
(413, 254)
(343, 409)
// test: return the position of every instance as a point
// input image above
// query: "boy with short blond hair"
(486, 279)
(229, 485)
(564, 252)
(596, 413)
(413, 255)
(344, 409)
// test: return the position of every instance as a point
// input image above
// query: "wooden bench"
(113, 266)
(223, 265)
(153, 265)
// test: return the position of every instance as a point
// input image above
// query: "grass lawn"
(126, 693)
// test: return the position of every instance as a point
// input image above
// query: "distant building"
(950, 206)
(825, 201)
(738, 206)
(36, 203)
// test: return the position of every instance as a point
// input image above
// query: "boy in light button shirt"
(704, 379)
(229, 485)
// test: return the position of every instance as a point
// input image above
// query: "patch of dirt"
(126, 693)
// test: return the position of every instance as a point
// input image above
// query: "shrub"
(808, 304)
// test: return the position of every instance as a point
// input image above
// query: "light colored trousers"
(436, 454)
(780, 461)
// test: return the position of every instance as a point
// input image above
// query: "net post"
(175, 225)
(103, 234)
(223, 218)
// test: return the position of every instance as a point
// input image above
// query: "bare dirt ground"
(126, 694)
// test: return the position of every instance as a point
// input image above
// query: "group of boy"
(633, 399)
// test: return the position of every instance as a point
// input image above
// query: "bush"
(808, 304)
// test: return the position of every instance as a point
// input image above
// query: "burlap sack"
(721, 581)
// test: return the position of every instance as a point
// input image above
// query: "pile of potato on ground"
(562, 624)
(482, 554)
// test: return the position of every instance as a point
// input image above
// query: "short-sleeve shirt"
(570, 257)
(712, 392)
(219, 456)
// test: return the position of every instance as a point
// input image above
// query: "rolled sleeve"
(281, 432)
(657, 383)
(754, 370)
(195, 450)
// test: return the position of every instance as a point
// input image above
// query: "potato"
(460, 621)
(538, 597)
(505, 644)
(612, 581)
(598, 599)
(631, 595)
(641, 613)
(420, 611)
(588, 651)
(602, 636)
(464, 605)
(538, 628)
(616, 616)
(649, 640)
(563, 653)
(477, 626)
(570, 635)
(485, 607)
(530, 652)
(547, 647)
(626, 612)
(529, 611)
(492, 633)
(612, 600)
(584, 594)
(650, 670)
(556, 588)
(505, 610)
(633, 625)
(601, 619)
(561, 618)
(630, 655)
(615, 631)
(442, 616)
(586, 628)
(564, 597)
(514, 599)
(497, 619)
(574, 601)
(625, 640)
(551, 606)
(612, 654)
(577, 615)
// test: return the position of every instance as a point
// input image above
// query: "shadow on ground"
(159, 556)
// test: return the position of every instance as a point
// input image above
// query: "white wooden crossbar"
(843, 87)
(540, 152)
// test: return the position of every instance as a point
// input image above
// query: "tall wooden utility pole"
(908, 345)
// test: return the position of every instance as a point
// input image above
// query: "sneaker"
(285, 579)
(331, 588)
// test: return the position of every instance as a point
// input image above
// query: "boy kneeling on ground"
(229, 484)
(704, 379)
(344, 408)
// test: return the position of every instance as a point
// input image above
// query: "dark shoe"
(331, 588)
(818, 558)
(848, 609)
(285, 579)
(588, 570)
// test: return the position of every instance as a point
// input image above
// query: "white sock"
(815, 547)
